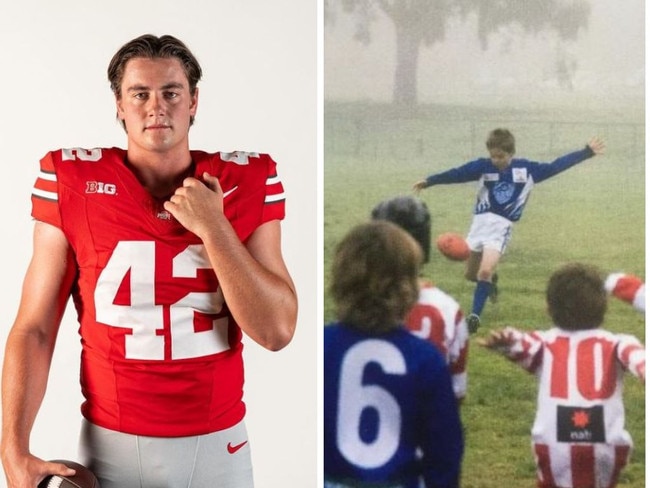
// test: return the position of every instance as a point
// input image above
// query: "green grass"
(592, 213)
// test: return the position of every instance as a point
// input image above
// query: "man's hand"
(28, 471)
(197, 203)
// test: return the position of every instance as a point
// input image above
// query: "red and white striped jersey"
(437, 318)
(579, 437)
(161, 353)
(628, 288)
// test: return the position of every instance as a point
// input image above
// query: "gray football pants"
(220, 459)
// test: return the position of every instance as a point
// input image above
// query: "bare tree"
(421, 23)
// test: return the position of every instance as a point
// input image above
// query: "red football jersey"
(579, 435)
(438, 318)
(161, 353)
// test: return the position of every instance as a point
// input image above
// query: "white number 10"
(145, 318)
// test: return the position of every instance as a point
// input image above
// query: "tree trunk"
(405, 90)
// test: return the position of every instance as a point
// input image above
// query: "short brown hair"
(152, 47)
(501, 139)
(375, 276)
(576, 297)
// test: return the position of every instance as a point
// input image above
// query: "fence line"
(365, 136)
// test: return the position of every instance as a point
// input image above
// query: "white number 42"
(145, 318)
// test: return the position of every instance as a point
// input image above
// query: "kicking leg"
(486, 269)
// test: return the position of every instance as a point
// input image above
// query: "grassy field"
(592, 213)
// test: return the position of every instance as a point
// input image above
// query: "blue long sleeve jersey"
(506, 192)
(390, 414)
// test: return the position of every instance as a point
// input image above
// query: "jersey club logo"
(580, 424)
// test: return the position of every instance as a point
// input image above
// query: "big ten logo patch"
(101, 187)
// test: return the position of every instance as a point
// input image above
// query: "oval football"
(453, 246)
(83, 477)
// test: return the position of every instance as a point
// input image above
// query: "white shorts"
(122, 460)
(489, 231)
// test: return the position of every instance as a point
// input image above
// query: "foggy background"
(605, 61)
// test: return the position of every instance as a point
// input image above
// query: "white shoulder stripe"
(272, 180)
(49, 195)
(47, 176)
(274, 198)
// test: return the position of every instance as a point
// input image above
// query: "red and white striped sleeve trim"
(628, 288)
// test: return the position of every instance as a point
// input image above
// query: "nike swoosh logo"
(226, 193)
(233, 449)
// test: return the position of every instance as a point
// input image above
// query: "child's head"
(576, 297)
(501, 146)
(374, 279)
(412, 215)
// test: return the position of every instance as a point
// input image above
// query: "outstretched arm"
(254, 279)
(498, 340)
(523, 348)
(544, 171)
(28, 354)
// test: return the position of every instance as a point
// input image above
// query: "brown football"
(453, 246)
(83, 478)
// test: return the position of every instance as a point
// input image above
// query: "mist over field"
(554, 94)
(606, 62)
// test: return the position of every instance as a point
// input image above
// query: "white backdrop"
(258, 93)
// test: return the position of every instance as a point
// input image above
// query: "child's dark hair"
(374, 279)
(412, 215)
(501, 139)
(576, 297)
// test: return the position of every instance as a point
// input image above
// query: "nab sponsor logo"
(100, 187)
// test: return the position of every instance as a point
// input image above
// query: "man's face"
(500, 158)
(156, 104)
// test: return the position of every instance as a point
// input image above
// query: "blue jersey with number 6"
(390, 413)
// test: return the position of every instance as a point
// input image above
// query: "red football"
(83, 478)
(453, 246)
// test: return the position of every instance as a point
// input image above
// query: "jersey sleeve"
(471, 171)
(544, 171)
(45, 198)
(523, 348)
(627, 288)
(631, 355)
(442, 438)
(458, 349)
(274, 200)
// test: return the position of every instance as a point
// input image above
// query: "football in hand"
(83, 477)
(453, 246)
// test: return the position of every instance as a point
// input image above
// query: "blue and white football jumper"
(504, 193)
(390, 415)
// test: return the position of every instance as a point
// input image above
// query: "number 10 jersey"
(161, 353)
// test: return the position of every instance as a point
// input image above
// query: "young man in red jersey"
(169, 254)
(579, 437)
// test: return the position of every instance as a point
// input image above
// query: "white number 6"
(355, 397)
